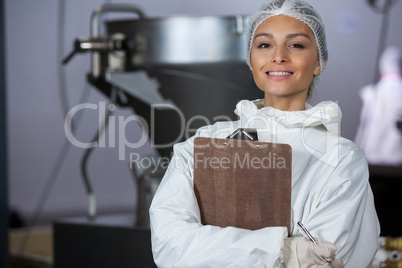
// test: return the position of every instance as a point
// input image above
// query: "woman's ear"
(317, 69)
(320, 66)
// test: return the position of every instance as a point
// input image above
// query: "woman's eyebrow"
(264, 34)
(289, 36)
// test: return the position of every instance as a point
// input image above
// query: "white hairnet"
(391, 60)
(296, 9)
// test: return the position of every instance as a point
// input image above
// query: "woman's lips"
(279, 75)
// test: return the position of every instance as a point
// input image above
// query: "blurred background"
(38, 34)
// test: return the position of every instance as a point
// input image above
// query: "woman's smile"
(279, 75)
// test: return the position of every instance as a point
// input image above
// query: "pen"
(307, 234)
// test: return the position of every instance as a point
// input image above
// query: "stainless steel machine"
(178, 73)
(196, 64)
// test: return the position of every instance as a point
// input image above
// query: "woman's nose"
(279, 55)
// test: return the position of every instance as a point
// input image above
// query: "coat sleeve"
(343, 210)
(180, 240)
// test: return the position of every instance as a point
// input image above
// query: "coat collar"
(253, 114)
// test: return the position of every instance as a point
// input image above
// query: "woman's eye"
(297, 45)
(264, 46)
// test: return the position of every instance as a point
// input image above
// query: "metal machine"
(178, 73)
(196, 63)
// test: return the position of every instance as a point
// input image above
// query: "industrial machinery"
(177, 73)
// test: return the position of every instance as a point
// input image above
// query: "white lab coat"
(378, 134)
(331, 195)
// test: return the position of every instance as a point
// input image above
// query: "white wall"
(35, 121)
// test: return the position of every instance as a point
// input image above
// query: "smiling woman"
(284, 59)
(331, 195)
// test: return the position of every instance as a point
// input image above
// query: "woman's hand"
(300, 252)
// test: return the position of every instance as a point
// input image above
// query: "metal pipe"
(95, 27)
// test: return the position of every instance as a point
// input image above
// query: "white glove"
(300, 252)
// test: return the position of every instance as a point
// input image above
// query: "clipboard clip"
(244, 134)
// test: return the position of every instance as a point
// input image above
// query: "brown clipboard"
(243, 183)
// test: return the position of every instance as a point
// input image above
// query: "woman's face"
(284, 57)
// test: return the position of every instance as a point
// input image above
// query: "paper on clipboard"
(243, 183)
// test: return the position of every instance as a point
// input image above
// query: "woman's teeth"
(279, 73)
